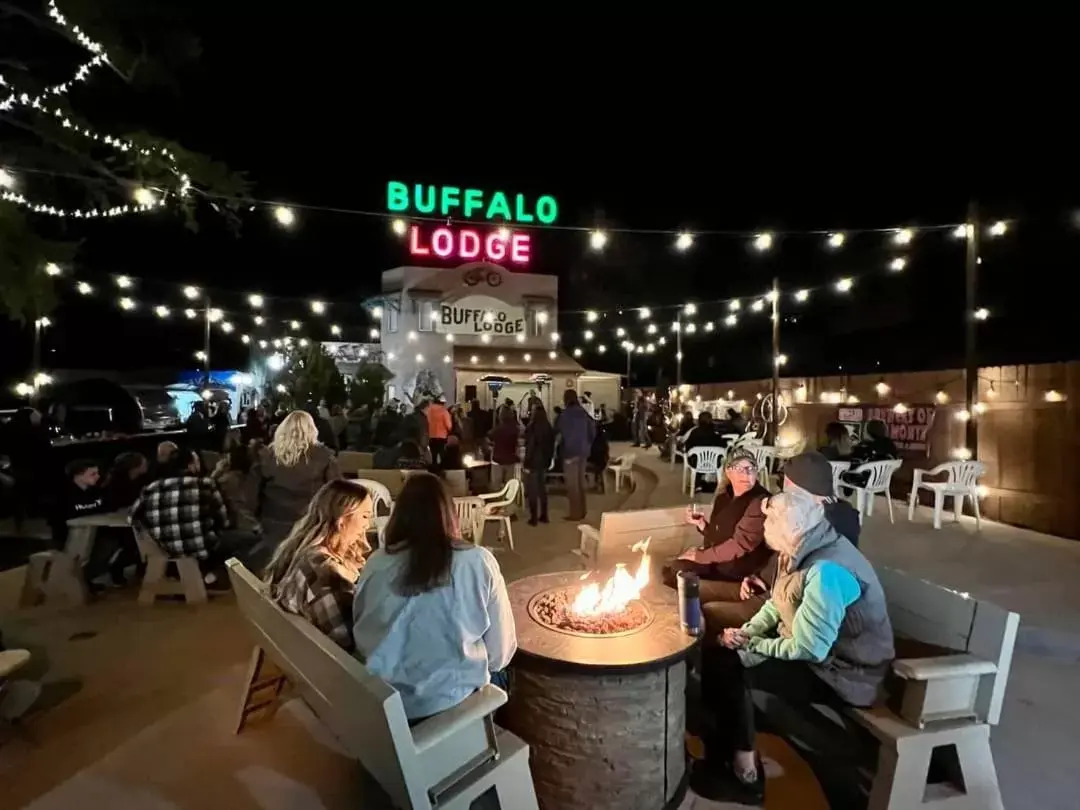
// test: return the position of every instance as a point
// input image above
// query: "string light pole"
(773, 424)
(678, 349)
(971, 363)
(206, 343)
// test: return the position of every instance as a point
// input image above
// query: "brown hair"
(424, 526)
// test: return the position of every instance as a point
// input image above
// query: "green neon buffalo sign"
(447, 201)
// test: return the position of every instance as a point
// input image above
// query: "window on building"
(537, 317)
(392, 314)
(429, 311)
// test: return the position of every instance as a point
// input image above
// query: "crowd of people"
(791, 607)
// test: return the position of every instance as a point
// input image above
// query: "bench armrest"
(588, 545)
(942, 667)
(474, 708)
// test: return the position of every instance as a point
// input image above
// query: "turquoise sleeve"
(764, 621)
(828, 591)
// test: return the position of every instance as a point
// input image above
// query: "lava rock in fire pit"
(554, 609)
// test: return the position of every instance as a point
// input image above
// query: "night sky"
(321, 111)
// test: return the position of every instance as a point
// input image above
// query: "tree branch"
(86, 160)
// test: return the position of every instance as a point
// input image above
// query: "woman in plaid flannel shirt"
(313, 572)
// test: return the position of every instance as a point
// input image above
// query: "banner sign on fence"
(908, 427)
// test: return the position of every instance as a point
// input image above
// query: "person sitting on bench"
(733, 550)
(313, 572)
(432, 615)
(823, 637)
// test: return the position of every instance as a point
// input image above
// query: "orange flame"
(620, 589)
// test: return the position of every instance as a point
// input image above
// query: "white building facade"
(457, 326)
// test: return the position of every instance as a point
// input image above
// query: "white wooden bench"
(955, 656)
(950, 699)
(56, 577)
(444, 762)
(667, 529)
(155, 583)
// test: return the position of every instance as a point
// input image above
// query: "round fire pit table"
(604, 714)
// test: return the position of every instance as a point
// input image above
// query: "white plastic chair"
(676, 447)
(497, 506)
(879, 476)
(962, 482)
(763, 455)
(622, 466)
(380, 494)
(838, 467)
(470, 517)
(730, 437)
(708, 463)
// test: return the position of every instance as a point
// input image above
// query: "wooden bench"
(444, 762)
(949, 701)
(667, 529)
(155, 583)
(56, 578)
(955, 656)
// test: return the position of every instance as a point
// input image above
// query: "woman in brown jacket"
(288, 473)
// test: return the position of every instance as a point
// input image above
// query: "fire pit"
(598, 692)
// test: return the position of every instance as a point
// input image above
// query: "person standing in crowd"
(199, 429)
(432, 615)
(256, 425)
(539, 451)
(314, 570)
(231, 474)
(338, 423)
(504, 450)
(29, 449)
(440, 424)
(641, 422)
(823, 637)
(577, 430)
(287, 474)
(415, 427)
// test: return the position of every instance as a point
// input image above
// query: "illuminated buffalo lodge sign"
(479, 315)
(499, 208)
(471, 245)
(470, 203)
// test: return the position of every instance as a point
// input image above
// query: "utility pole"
(35, 360)
(773, 424)
(206, 344)
(971, 360)
(678, 350)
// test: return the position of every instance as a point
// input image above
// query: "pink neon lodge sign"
(470, 244)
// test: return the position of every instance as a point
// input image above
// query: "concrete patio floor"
(139, 702)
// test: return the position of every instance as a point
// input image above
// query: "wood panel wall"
(1031, 445)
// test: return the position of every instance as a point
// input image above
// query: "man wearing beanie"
(812, 472)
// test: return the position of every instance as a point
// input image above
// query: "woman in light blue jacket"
(431, 614)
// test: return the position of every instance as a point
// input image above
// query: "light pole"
(35, 361)
(206, 344)
(773, 425)
(971, 361)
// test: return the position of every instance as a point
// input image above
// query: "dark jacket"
(282, 494)
(845, 519)
(578, 430)
(539, 445)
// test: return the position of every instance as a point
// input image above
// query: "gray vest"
(859, 659)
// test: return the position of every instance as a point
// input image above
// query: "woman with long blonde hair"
(288, 473)
(313, 572)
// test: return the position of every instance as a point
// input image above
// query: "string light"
(835, 240)
(903, 236)
(597, 240)
(399, 227)
(802, 296)
(684, 241)
(981, 314)
(161, 311)
(284, 216)
(335, 329)
(898, 264)
(999, 228)
(190, 314)
(844, 285)
(591, 316)
(318, 307)
(83, 288)
(127, 303)
(52, 269)
(7, 179)
(644, 313)
(763, 242)
(123, 282)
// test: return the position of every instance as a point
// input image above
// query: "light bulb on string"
(52, 269)
(601, 348)
(190, 314)
(245, 339)
(255, 300)
(226, 327)
(620, 332)
(284, 216)
(83, 288)
(161, 311)
(836, 240)
(690, 309)
(591, 316)
(731, 319)
(191, 293)
(802, 296)
(588, 335)
(541, 317)
(123, 282)
(763, 242)
(577, 352)
(7, 179)
(644, 313)
(903, 236)
(690, 328)
(662, 340)
(335, 329)
(734, 304)
(651, 329)
(373, 334)
(318, 307)
(684, 241)
(376, 312)
(960, 232)
(127, 303)
(294, 325)
(999, 228)
(258, 320)
(898, 264)
(597, 240)
(981, 314)
(708, 326)
(758, 305)
(399, 227)
(844, 285)
(214, 315)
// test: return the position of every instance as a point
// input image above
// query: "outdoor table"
(479, 473)
(82, 531)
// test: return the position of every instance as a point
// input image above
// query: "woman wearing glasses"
(733, 559)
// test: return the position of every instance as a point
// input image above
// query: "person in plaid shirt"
(184, 513)
(313, 572)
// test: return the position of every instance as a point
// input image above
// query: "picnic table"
(83, 529)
